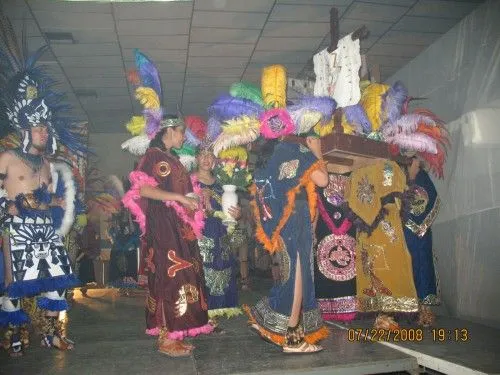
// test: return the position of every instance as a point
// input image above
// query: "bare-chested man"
(34, 258)
(37, 198)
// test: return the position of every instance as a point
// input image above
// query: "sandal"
(59, 342)
(386, 322)
(303, 348)
(295, 343)
(12, 342)
(426, 317)
(174, 348)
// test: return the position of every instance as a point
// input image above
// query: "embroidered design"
(217, 281)
(421, 230)
(150, 266)
(337, 215)
(151, 304)
(188, 294)
(367, 261)
(419, 201)
(288, 169)
(339, 305)
(283, 259)
(388, 175)
(179, 264)
(334, 191)
(162, 169)
(366, 191)
(188, 233)
(206, 244)
(389, 230)
(336, 259)
(303, 148)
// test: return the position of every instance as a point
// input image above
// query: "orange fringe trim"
(311, 338)
(274, 243)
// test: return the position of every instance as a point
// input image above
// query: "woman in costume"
(424, 207)
(335, 265)
(284, 208)
(177, 301)
(219, 262)
(170, 218)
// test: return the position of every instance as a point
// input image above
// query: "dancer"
(37, 200)
(171, 219)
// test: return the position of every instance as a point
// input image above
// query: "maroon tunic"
(177, 297)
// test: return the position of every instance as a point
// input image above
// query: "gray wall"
(460, 76)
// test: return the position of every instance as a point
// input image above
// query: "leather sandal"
(303, 348)
(174, 348)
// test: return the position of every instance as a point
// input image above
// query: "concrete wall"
(460, 76)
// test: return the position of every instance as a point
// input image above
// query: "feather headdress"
(423, 133)
(149, 93)
(27, 98)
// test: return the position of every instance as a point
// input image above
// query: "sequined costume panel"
(384, 276)
(335, 258)
(218, 259)
(424, 209)
(276, 182)
(177, 296)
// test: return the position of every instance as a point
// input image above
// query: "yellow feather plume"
(348, 128)
(371, 100)
(273, 86)
(323, 129)
(240, 125)
(235, 153)
(147, 97)
(136, 125)
(239, 131)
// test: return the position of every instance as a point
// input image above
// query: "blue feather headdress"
(27, 99)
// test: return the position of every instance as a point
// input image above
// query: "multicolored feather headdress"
(249, 112)
(27, 99)
(148, 91)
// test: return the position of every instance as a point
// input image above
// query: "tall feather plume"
(415, 142)
(356, 116)
(214, 128)
(393, 101)
(227, 107)
(435, 161)
(196, 125)
(248, 91)
(148, 73)
(136, 145)
(191, 139)
(237, 132)
(406, 124)
(153, 118)
(273, 86)
(371, 100)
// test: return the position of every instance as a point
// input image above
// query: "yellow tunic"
(383, 262)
